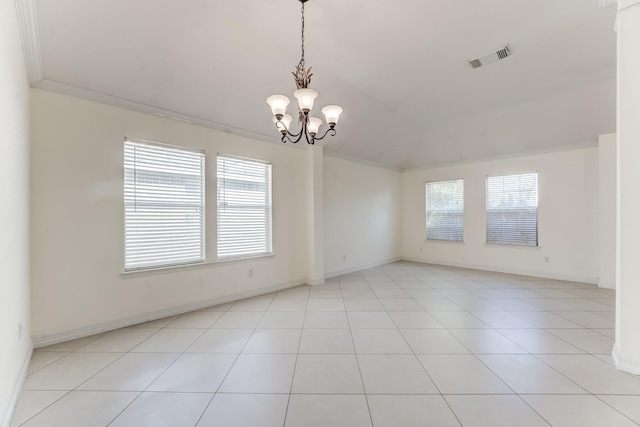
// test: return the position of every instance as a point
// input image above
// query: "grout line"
(164, 370)
(237, 356)
(355, 351)
(295, 365)
(48, 406)
(534, 409)
(620, 412)
(171, 364)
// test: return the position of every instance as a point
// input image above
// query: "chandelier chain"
(301, 65)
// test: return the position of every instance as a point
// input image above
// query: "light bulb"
(284, 123)
(305, 99)
(313, 125)
(278, 104)
(332, 114)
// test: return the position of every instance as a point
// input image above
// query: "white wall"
(567, 217)
(77, 222)
(607, 210)
(14, 210)
(361, 215)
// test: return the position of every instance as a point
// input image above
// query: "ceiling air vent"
(489, 58)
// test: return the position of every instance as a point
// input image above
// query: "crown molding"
(89, 95)
(622, 9)
(543, 151)
(127, 104)
(102, 98)
(341, 156)
(626, 4)
(30, 35)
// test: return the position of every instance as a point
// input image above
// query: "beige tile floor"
(401, 345)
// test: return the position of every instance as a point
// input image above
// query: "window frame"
(427, 212)
(531, 243)
(268, 208)
(201, 207)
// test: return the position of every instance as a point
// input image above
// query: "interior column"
(626, 350)
(316, 215)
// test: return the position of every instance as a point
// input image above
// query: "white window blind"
(512, 209)
(164, 205)
(244, 207)
(445, 210)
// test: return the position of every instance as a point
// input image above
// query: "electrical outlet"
(344, 257)
(251, 272)
(547, 259)
(420, 248)
(19, 331)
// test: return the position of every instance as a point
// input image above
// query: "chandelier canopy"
(309, 126)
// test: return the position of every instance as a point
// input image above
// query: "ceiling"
(398, 68)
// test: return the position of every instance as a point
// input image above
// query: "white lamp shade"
(305, 98)
(314, 125)
(278, 104)
(332, 114)
(284, 123)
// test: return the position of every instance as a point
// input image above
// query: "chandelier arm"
(293, 138)
(310, 138)
(299, 137)
(330, 130)
(287, 136)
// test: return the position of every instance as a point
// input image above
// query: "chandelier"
(309, 126)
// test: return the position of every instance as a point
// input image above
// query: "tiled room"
(192, 233)
(405, 344)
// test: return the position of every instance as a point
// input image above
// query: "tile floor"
(397, 346)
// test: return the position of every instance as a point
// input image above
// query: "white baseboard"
(56, 338)
(360, 267)
(606, 284)
(7, 412)
(625, 363)
(542, 275)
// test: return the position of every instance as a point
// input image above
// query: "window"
(512, 209)
(163, 205)
(445, 210)
(244, 207)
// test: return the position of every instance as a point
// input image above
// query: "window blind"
(445, 210)
(164, 205)
(244, 207)
(512, 209)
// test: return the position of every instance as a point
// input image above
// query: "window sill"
(173, 268)
(448, 242)
(509, 245)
